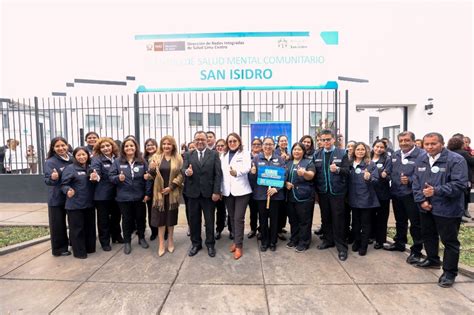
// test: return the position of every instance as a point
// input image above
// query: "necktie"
(200, 156)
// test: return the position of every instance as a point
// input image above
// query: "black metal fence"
(28, 125)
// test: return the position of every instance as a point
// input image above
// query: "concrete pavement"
(33, 281)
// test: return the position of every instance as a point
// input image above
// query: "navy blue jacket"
(278, 151)
(326, 181)
(133, 188)
(449, 178)
(362, 193)
(382, 186)
(56, 198)
(303, 190)
(259, 191)
(406, 167)
(77, 178)
(104, 189)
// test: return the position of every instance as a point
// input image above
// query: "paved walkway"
(33, 281)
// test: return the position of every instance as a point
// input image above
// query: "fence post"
(346, 126)
(336, 113)
(39, 138)
(240, 113)
(81, 137)
(136, 113)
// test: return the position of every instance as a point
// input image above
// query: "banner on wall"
(239, 60)
(272, 129)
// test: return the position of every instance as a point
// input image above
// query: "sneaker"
(290, 244)
(300, 248)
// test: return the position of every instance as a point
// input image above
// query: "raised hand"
(428, 191)
(233, 172)
(122, 176)
(366, 174)
(253, 170)
(333, 167)
(70, 193)
(189, 170)
(403, 179)
(54, 174)
(300, 171)
(94, 176)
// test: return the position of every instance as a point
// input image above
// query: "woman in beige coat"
(165, 166)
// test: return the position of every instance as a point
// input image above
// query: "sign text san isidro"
(249, 58)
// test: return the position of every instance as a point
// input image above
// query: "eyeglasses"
(232, 141)
(325, 139)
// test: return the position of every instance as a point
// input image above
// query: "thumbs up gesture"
(366, 174)
(147, 176)
(233, 172)
(189, 170)
(152, 165)
(300, 171)
(94, 176)
(333, 167)
(428, 191)
(403, 179)
(70, 193)
(54, 174)
(253, 170)
(384, 174)
(122, 176)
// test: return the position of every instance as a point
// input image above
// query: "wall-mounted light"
(429, 107)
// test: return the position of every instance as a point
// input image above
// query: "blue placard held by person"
(271, 176)
(272, 129)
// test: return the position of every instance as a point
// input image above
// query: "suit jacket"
(207, 174)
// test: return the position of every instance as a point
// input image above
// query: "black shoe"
(356, 246)
(152, 237)
(142, 242)
(259, 236)
(273, 247)
(231, 236)
(211, 251)
(342, 255)
(81, 257)
(428, 264)
(106, 248)
(395, 247)
(467, 214)
(282, 236)
(118, 239)
(445, 281)
(127, 249)
(263, 248)
(66, 253)
(362, 252)
(325, 245)
(300, 248)
(414, 259)
(318, 231)
(194, 250)
(371, 240)
(251, 234)
(218, 235)
(290, 244)
(378, 245)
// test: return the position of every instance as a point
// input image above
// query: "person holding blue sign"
(268, 171)
(332, 169)
(299, 183)
(235, 164)
(439, 182)
(362, 196)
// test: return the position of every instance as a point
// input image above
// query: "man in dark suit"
(202, 168)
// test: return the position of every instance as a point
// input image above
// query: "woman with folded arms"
(108, 212)
(300, 197)
(78, 186)
(56, 161)
(236, 188)
(167, 191)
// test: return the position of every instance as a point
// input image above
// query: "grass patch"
(10, 235)
(466, 238)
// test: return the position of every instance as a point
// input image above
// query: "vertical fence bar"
(346, 126)
(41, 153)
(136, 113)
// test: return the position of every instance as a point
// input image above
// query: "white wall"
(408, 50)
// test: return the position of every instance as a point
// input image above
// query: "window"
(330, 119)
(315, 121)
(93, 122)
(265, 116)
(113, 122)
(163, 120)
(144, 120)
(247, 118)
(214, 120)
(195, 119)
(5, 121)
